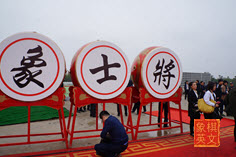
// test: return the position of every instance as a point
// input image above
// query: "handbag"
(204, 107)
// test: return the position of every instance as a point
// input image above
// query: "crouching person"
(114, 138)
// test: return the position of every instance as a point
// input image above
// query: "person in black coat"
(203, 89)
(186, 89)
(230, 100)
(198, 87)
(193, 111)
(219, 96)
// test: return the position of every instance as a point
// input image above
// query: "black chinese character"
(105, 68)
(159, 72)
(25, 76)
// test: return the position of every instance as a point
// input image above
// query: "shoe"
(143, 111)
(92, 115)
(192, 134)
(126, 114)
(118, 114)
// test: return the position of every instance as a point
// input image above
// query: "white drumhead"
(161, 72)
(32, 66)
(102, 70)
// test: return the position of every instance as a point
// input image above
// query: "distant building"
(191, 76)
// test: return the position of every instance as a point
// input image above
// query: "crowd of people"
(221, 91)
(218, 92)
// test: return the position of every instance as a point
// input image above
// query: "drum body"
(137, 66)
(158, 70)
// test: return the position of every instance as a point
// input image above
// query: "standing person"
(231, 86)
(88, 107)
(186, 89)
(231, 107)
(137, 106)
(118, 110)
(165, 108)
(198, 87)
(203, 89)
(144, 109)
(210, 95)
(114, 137)
(225, 91)
(219, 96)
(226, 86)
(193, 111)
(93, 110)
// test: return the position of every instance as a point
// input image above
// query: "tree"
(213, 79)
(67, 78)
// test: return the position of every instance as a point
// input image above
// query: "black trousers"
(118, 109)
(186, 94)
(221, 106)
(196, 115)
(213, 115)
(93, 110)
(210, 115)
(107, 149)
(137, 106)
(165, 108)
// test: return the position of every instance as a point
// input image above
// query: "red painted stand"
(56, 101)
(145, 98)
(79, 99)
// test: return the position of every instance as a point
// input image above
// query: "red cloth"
(186, 119)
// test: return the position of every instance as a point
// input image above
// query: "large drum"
(32, 66)
(101, 69)
(159, 70)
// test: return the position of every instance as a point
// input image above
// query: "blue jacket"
(116, 130)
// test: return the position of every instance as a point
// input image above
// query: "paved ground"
(83, 121)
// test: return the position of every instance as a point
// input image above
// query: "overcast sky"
(201, 32)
